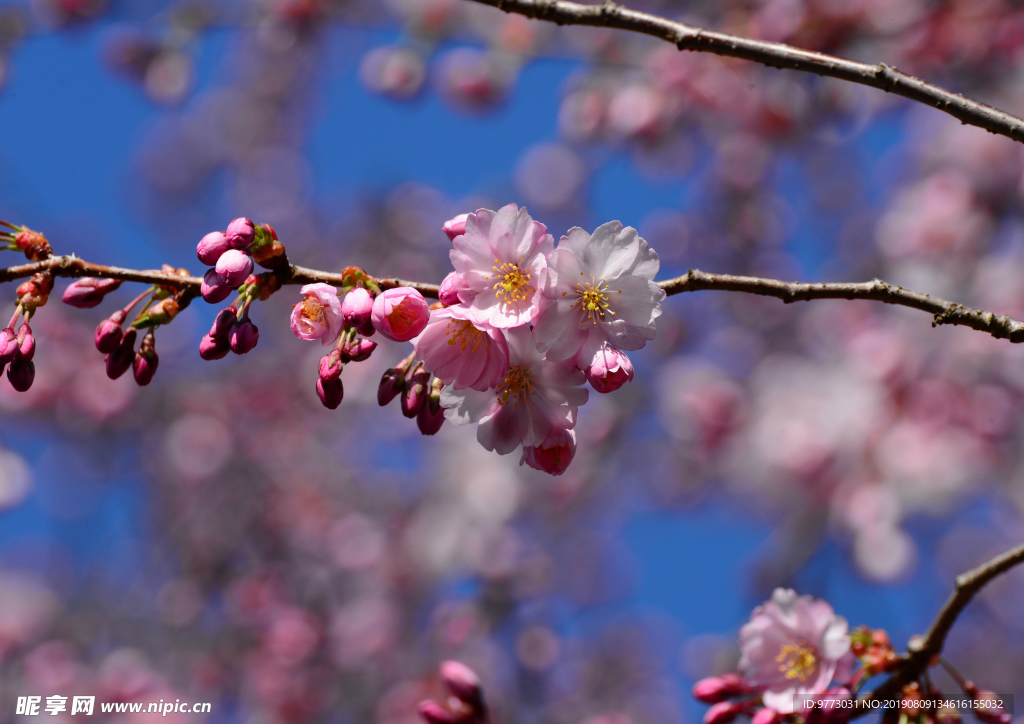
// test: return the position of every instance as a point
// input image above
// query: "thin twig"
(942, 311)
(776, 55)
(923, 650)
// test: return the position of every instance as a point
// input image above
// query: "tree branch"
(921, 651)
(776, 55)
(942, 311)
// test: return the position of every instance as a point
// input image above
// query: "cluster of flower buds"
(420, 394)
(398, 314)
(163, 305)
(16, 352)
(21, 238)
(228, 253)
(874, 649)
(465, 705)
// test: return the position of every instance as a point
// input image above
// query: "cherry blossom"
(598, 288)
(534, 397)
(318, 315)
(499, 258)
(460, 352)
(790, 648)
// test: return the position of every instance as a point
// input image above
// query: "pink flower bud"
(723, 712)
(462, 681)
(431, 415)
(226, 318)
(763, 716)
(609, 370)
(211, 349)
(240, 233)
(108, 333)
(9, 346)
(213, 288)
(358, 350)
(434, 713)
(554, 454)
(21, 373)
(243, 337)
(121, 358)
(391, 385)
(211, 247)
(449, 290)
(983, 712)
(330, 366)
(27, 347)
(330, 392)
(718, 688)
(234, 267)
(357, 307)
(146, 361)
(456, 226)
(414, 396)
(400, 314)
(88, 293)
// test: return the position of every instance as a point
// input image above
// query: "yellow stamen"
(513, 285)
(468, 336)
(593, 298)
(798, 660)
(313, 310)
(515, 385)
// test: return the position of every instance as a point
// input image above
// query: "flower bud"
(146, 361)
(243, 337)
(609, 370)
(27, 343)
(356, 307)
(357, 350)
(718, 688)
(448, 292)
(88, 293)
(234, 267)
(35, 292)
(160, 313)
(462, 682)
(108, 333)
(214, 289)
(554, 454)
(431, 417)
(271, 256)
(211, 349)
(400, 313)
(330, 392)
(434, 713)
(34, 244)
(391, 385)
(211, 247)
(223, 323)
(21, 373)
(414, 396)
(723, 712)
(455, 226)
(330, 366)
(765, 716)
(121, 358)
(240, 233)
(9, 346)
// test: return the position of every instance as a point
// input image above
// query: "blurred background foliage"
(219, 536)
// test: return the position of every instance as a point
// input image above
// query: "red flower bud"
(146, 361)
(414, 396)
(108, 333)
(122, 357)
(21, 373)
(718, 688)
(211, 349)
(88, 293)
(330, 392)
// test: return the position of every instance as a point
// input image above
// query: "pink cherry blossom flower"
(608, 370)
(455, 226)
(790, 648)
(534, 397)
(499, 258)
(318, 315)
(449, 290)
(598, 288)
(554, 454)
(400, 313)
(461, 353)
